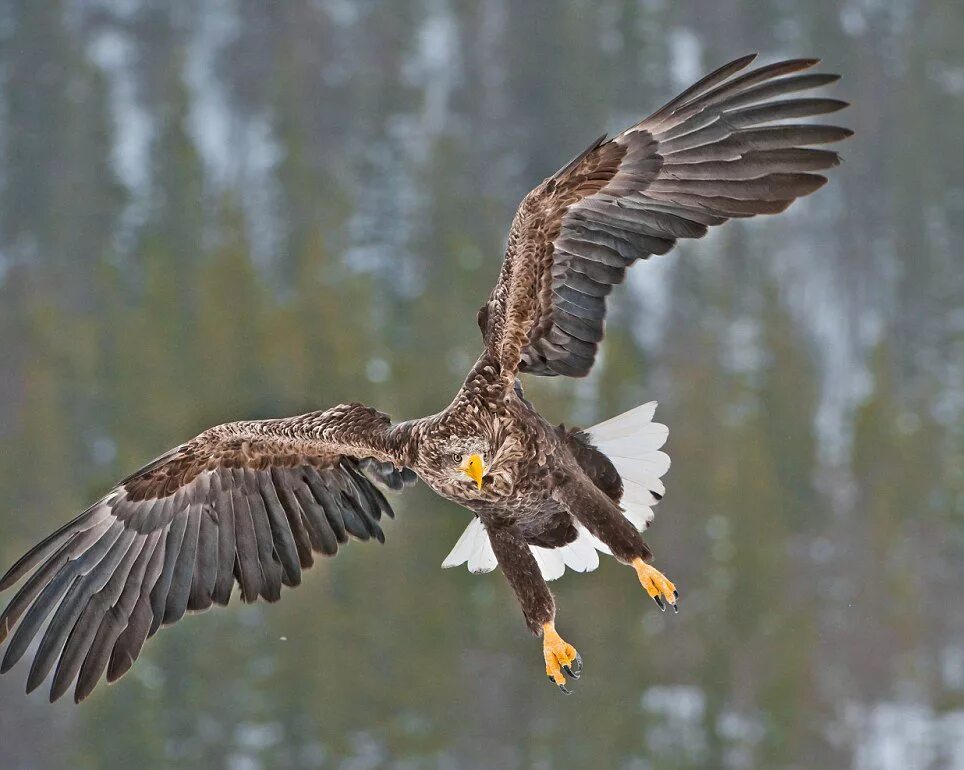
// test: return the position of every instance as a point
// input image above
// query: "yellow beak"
(473, 468)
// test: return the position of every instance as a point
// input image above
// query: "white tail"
(632, 442)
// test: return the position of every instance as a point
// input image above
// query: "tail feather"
(643, 443)
(641, 495)
(632, 442)
(550, 560)
(473, 547)
(625, 424)
(581, 555)
(643, 470)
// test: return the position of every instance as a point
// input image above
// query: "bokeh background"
(231, 209)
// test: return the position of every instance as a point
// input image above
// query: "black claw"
(574, 668)
(675, 608)
(659, 603)
(676, 595)
(577, 665)
(565, 689)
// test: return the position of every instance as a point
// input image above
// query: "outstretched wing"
(721, 149)
(247, 503)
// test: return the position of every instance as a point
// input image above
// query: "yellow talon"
(559, 656)
(656, 584)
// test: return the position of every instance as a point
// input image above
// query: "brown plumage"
(252, 503)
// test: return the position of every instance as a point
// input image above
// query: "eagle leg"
(561, 658)
(521, 570)
(656, 584)
(594, 510)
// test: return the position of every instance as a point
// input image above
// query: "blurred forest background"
(230, 209)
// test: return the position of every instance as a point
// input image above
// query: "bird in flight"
(254, 503)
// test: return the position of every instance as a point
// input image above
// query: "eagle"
(252, 504)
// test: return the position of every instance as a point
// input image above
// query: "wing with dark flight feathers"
(248, 503)
(729, 146)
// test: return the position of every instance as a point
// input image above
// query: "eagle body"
(247, 506)
(530, 458)
(519, 443)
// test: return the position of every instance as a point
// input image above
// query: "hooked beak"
(473, 468)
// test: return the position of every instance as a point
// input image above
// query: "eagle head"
(465, 459)
(459, 463)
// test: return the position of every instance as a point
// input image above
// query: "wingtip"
(118, 666)
(8, 579)
(819, 180)
(33, 682)
(741, 63)
(83, 691)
